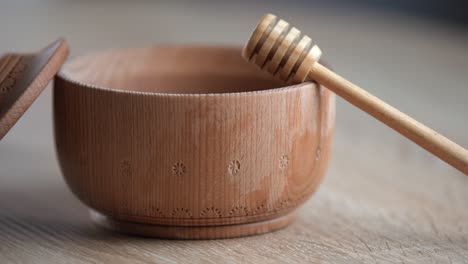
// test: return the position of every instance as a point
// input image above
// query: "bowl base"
(191, 232)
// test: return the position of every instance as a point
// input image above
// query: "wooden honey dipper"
(283, 51)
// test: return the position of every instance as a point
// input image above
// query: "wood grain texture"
(22, 79)
(351, 219)
(209, 142)
(297, 60)
(380, 188)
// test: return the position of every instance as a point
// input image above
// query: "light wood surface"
(189, 141)
(280, 49)
(383, 200)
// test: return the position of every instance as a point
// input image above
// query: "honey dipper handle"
(420, 134)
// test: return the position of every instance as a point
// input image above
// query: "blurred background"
(412, 54)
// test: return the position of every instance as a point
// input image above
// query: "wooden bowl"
(189, 142)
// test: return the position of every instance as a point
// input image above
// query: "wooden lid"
(22, 79)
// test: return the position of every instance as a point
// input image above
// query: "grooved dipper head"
(281, 49)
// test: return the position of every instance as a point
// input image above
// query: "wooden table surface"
(383, 199)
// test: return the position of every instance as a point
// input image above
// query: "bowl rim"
(66, 76)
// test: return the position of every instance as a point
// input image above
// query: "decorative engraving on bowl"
(181, 213)
(126, 169)
(211, 212)
(19, 68)
(239, 211)
(153, 211)
(260, 209)
(283, 162)
(284, 204)
(179, 169)
(234, 167)
(10, 80)
(7, 85)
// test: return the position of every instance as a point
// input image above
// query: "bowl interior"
(176, 70)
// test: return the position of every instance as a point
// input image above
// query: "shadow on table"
(52, 213)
